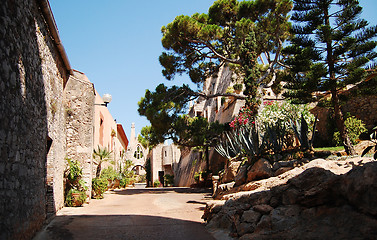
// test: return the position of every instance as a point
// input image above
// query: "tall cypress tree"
(333, 48)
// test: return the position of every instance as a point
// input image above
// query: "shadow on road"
(122, 227)
(133, 191)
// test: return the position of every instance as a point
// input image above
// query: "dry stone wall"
(364, 108)
(32, 121)
(79, 110)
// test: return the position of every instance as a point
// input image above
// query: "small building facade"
(108, 134)
(136, 153)
(164, 159)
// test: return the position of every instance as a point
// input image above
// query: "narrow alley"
(162, 213)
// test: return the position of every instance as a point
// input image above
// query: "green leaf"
(366, 150)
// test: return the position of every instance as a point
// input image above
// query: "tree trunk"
(207, 159)
(98, 173)
(348, 147)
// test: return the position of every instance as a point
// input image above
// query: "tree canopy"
(247, 36)
(333, 48)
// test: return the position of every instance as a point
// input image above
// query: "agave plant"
(246, 140)
(301, 131)
(252, 140)
(277, 135)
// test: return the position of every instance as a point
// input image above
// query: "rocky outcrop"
(260, 170)
(230, 172)
(319, 200)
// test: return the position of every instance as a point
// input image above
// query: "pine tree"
(331, 50)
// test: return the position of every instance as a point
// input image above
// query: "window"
(138, 153)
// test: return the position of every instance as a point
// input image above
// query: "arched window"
(138, 153)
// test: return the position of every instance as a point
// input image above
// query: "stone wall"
(32, 120)
(79, 108)
(363, 108)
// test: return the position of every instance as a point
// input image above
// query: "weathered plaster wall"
(156, 162)
(190, 163)
(164, 158)
(31, 106)
(79, 108)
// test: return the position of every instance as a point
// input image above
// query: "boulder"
(241, 176)
(282, 170)
(230, 172)
(260, 170)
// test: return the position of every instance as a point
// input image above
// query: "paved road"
(165, 213)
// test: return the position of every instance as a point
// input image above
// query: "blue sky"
(117, 44)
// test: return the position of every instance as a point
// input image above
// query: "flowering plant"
(283, 112)
(245, 117)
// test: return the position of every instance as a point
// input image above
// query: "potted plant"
(99, 186)
(75, 198)
(74, 186)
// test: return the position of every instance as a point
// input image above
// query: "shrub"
(284, 112)
(110, 173)
(354, 127)
(238, 87)
(99, 186)
(156, 183)
(124, 182)
(169, 179)
(197, 177)
(74, 184)
(71, 201)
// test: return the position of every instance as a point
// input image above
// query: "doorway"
(161, 177)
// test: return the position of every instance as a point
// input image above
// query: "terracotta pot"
(76, 200)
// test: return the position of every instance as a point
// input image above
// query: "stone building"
(34, 72)
(108, 134)
(79, 110)
(47, 115)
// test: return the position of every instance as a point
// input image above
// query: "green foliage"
(74, 172)
(284, 112)
(156, 183)
(197, 177)
(301, 130)
(165, 111)
(141, 178)
(145, 136)
(71, 201)
(124, 182)
(270, 132)
(354, 127)
(99, 186)
(232, 34)
(110, 173)
(74, 184)
(373, 139)
(169, 180)
(332, 48)
(238, 87)
(148, 171)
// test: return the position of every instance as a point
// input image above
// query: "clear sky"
(117, 44)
